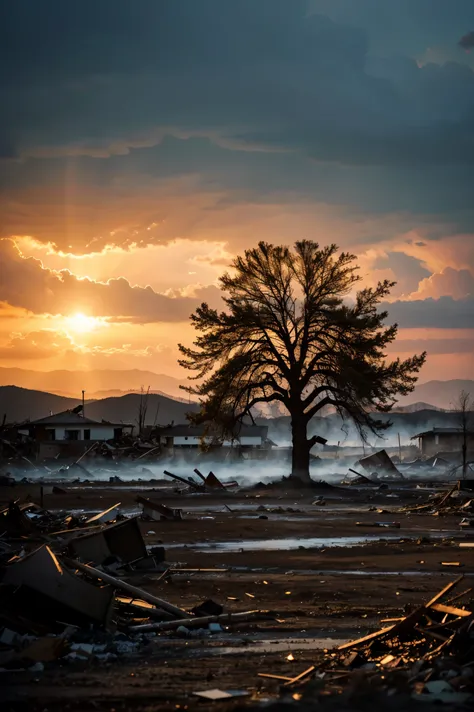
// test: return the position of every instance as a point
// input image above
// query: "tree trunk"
(300, 450)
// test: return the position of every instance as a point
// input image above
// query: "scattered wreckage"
(456, 501)
(426, 655)
(68, 593)
(59, 582)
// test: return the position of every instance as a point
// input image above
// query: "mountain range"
(20, 404)
(100, 384)
(96, 383)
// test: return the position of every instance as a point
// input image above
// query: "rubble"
(54, 592)
(427, 655)
(207, 484)
(454, 501)
(154, 510)
(80, 587)
(108, 515)
(380, 463)
(122, 542)
(357, 479)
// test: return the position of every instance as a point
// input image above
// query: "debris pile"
(427, 655)
(67, 591)
(211, 483)
(380, 464)
(455, 501)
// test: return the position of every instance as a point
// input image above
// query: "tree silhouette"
(295, 332)
(463, 408)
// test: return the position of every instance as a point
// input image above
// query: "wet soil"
(319, 593)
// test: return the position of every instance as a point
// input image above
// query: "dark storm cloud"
(467, 41)
(433, 346)
(443, 313)
(113, 96)
(409, 270)
(403, 26)
(109, 199)
(260, 72)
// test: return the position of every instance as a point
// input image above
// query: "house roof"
(197, 431)
(440, 431)
(68, 417)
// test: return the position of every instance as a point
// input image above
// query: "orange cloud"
(35, 345)
(49, 344)
(174, 264)
(455, 283)
(26, 283)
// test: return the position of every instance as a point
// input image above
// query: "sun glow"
(82, 324)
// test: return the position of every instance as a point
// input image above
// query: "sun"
(83, 324)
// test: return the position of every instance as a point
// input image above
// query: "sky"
(144, 144)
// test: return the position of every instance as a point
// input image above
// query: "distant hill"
(443, 394)
(71, 383)
(21, 404)
(18, 404)
(117, 393)
(332, 428)
(414, 408)
(114, 383)
(161, 410)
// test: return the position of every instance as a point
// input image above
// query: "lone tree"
(288, 335)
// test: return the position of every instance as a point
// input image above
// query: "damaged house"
(444, 440)
(70, 431)
(191, 436)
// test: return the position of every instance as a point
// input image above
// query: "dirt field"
(324, 578)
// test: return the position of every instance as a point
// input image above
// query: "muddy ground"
(324, 578)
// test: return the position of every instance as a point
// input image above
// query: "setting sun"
(83, 324)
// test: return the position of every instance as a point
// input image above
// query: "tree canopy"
(294, 330)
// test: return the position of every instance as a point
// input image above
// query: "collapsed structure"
(74, 589)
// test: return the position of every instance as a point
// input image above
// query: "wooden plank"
(409, 621)
(372, 636)
(195, 571)
(413, 618)
(98, 517)
(275, 677)
(458, 612)
(127, 588)
(163, 575)
(189, 483)
(387, 659)
(446, 497)
(436, 651)
(201, 621)
(451, 563)
(161, 509)
(437, 636)
(199, 474)
(447, 588)
(449, 624)
(300, 676)
(459, 595)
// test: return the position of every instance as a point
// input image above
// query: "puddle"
(372, 572)
(236, 645)
(275, 646)
(320, 574)
(297, 542)
(105, 484)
